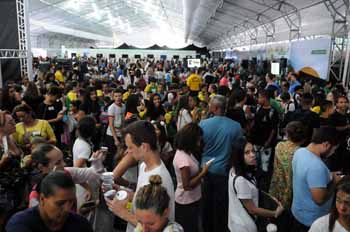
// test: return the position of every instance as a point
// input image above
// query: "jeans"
(215, 203)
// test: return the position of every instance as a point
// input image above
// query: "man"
(141, 142)
(54, 211)
(219, 133)
(51, 109)
(264, 132)
(194, 82)
(116, 113)
(313, 183)
(293, 82)
(327, 109)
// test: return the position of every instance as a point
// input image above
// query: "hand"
(279, 210)
(114, 186)
(88, 195)
(116, 142)
(206, 168)
(118, 208)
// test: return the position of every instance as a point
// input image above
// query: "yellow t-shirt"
(194, 82)
(59, 76)
(126, 95)
(72, 96)
(42, 129)
(316, 109)
(99, 93)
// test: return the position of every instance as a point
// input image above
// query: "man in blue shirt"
(293, 82)
(219, 133)
(57, 196)
(313, 183)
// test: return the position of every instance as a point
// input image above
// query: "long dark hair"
(187, 138)
(344, 186)
(238, 161)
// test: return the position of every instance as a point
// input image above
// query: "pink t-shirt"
(223, 82)
(181, 160)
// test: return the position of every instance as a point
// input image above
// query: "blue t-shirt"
(29, 220)
(219, 134)
(309, 171)
(292, 86)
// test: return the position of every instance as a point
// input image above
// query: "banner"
(311, 57)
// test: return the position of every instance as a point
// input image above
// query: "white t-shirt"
(238, 218)
(118, 113)
(81, 150)
(184, 118)
(181, 160)
(321, 225)
(167, 183)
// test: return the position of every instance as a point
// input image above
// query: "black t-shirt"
(325, 122)
(237, 114)
(48, 112)
(29, 220)
(338, 120)
(265, 121)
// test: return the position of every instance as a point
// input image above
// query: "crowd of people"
(207, 149)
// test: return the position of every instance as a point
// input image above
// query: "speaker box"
(10, 68)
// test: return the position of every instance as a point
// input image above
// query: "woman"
(12, 177)
(91, 107)
(152, 212)
(30, 127)
(338, 220)
(32, 97)
(8, 98)
(281, 183)
(155, 109)
(196, 111)
(163, 144)
(188, 175)
(184, 115)
(243, 193)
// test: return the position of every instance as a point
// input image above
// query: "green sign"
(319, 52)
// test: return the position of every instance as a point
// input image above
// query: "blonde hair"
(153, 196)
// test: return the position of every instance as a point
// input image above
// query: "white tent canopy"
(215, 23)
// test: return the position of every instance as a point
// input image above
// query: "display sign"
(193, 63)
(275, 68)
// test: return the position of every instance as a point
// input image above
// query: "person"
(243, 191)
(116, 112)
(313, 183)
(184, 116)
(340, 119)
(281, 183)
(32, 97)
(155, 110)
(54, 211)
(12, 177)
(59, 74)
(338, 220)
(219, 133)
(327, 109)
(30, 127)
(152, 208)
(52, 111)
(264, 131)
(194, 82)
(235, 109)
(293, 82)
(8, 99)
(188, 175)
(141, 142)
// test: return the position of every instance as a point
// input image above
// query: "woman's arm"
(257, 211)
(189, 183)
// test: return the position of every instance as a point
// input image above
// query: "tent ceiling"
(164, 21)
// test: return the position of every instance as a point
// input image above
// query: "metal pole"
(28, 42)
(0, 75)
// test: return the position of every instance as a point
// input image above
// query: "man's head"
(118, 96)
(57, 197)
(263, 97)
(327, 108)
(217, 105)
(325, 138)
(48, 158)
(140, 138)
(54, 93)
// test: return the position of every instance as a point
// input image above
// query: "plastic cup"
(110, 194)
